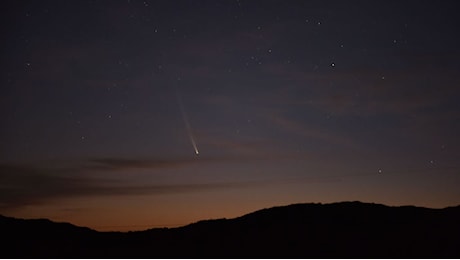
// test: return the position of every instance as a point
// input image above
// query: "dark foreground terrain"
(339, 230)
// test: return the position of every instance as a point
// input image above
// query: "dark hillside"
(338, 230)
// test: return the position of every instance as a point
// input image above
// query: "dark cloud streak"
(23, 185)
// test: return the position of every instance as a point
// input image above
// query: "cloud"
(118, 164)
(22, 185)
(123, 163)
(366, 91)
(309, 131)
(32, 184)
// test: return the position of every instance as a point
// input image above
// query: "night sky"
(128, 115)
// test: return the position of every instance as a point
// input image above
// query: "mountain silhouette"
(337, 230)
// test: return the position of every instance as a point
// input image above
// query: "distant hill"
(338, 230)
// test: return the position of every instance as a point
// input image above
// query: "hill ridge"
(302, 230)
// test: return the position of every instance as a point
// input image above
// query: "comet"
(187, 123)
